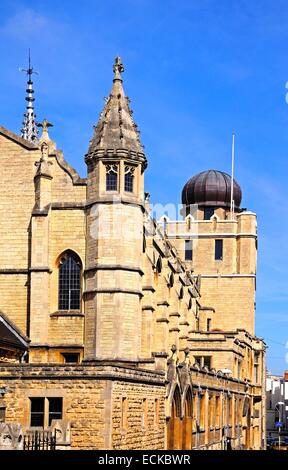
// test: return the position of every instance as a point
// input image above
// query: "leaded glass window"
(69, 282)
(129, 177)
(111, 177)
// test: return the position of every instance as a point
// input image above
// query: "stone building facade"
(130, 341)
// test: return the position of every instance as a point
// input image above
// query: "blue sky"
(196, 70)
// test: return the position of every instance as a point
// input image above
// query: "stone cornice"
(133, 202)
(195, 236)
(114, 267)
(112, 290)
(90, 370)
(68, 205)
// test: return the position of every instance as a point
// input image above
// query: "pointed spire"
(29, 130)
(116, 129)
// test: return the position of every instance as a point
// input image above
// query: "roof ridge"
(12, 136)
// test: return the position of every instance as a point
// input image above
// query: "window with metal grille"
(218, 250)
(69, 282)
(188, 250)
(111, 177)
(37, 412)
(55, 409)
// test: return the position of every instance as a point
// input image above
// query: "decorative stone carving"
(172, 369)
(45, 136)
(11, 436)
(43, 166)
(184, 370)
(62, 430)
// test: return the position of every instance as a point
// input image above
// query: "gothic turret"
(115, 206)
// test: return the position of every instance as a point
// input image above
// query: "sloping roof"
(116, 128)
(16, 138)
(10, 335)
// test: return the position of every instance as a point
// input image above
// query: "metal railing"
(39, 440)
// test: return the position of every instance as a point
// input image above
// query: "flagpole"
(232, 178)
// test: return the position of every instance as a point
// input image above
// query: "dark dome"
(211, 188)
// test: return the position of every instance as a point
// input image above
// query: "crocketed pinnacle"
(29, 130)
(116, 129)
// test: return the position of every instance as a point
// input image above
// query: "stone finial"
(118, 68)
(45, 124)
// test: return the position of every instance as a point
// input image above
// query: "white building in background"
(277, 402)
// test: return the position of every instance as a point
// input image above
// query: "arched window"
(111, 177)
(129, 176)
(69, 281)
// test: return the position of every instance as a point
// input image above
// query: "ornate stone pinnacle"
(45, 124)
(29, 130)
(118, 68)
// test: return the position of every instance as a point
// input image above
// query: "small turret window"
(208, 212)
(69, 281)
(218, 250)
(111, 177)
(129, 177)
(188, 250)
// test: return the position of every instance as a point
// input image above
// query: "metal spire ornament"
(29, 130)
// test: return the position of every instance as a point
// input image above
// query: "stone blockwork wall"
(226, 295)
(92, 399)
(33, 236)
(228, 284)
(143, 427)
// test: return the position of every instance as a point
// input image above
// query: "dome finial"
(118, 68)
